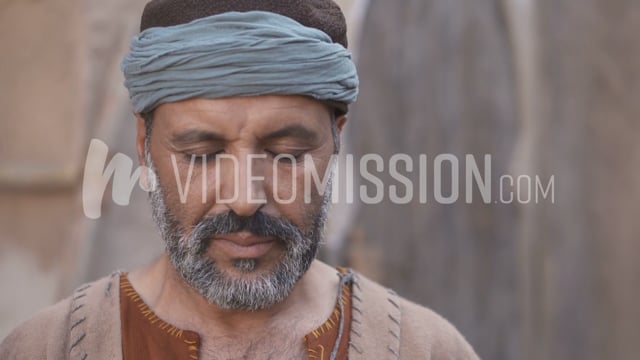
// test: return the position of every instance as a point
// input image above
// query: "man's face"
(231, 201)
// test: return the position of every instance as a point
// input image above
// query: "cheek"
(182, 186)
(283, 184)
(301, 187)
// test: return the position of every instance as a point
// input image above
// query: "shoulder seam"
(77, 317)
(387, 305)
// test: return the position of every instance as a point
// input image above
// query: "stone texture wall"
(60, 87)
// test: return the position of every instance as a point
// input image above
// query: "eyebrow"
(195, 136)
(295, 131)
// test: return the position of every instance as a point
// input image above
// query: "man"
(237, 104)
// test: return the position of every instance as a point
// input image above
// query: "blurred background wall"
(548, 88)
(61, 87)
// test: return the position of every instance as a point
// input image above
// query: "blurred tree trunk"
(437, 77)
(548, 89)
(583, 275)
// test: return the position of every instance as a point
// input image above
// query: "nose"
(242, 184)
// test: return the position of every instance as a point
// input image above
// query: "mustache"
(258, 224)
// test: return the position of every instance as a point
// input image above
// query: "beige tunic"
(86, 326)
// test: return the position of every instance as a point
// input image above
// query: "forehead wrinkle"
(248, 118)
(208, 120)
(298, 131)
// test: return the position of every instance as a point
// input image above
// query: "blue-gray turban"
(237, 54)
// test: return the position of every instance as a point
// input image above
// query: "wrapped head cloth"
(309, 36)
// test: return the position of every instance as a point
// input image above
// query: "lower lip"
(237, 251)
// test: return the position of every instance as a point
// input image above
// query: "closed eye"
(286, 157)
(202, 157)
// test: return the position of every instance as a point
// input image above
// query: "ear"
(140, 139)
(145, 175)
(340, 122)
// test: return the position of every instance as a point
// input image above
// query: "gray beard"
(249, 291)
